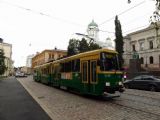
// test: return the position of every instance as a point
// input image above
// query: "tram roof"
(89, 53)
(86, 54)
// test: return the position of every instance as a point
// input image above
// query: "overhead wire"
(105, 31)
(127, 22)
(42, 13)
(70, 22)
(133, 29)
(64, 20)
(136, 19)
(123, 12)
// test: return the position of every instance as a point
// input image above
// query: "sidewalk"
(17, 104)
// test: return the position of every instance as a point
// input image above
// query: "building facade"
(7, 48)
(93, 30)
(47, 55)
(29, 61)
(26, 70)
(93, 33)
(145, 43)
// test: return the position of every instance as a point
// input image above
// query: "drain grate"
(41, 97)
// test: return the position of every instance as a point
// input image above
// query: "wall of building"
(46, 56)
(142, 40)
(7, 48)
(29, 60)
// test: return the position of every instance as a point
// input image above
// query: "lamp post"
(91, 39)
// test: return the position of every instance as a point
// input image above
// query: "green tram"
(95, 73)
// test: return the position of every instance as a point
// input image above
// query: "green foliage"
(83, 45)
(119, 41)
(77, 46)
(2, 62)
(94, 46)
(73, 47)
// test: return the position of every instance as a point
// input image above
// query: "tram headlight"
(107, 84)
(120, 83)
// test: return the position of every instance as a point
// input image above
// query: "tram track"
(128, 106)
(150, 96)
(148, 101)
(136, 109)
(139, 102)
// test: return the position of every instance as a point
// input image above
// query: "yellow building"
(7, 48)
(26, 70)
(47, 55)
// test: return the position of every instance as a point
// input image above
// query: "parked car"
(20, 74)
(144, 82)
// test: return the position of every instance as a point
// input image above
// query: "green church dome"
(93, 24)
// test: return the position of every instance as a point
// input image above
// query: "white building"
(93, 32)
(7, 48)
(145, 42)
(29, 60)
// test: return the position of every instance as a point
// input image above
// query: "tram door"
(85, 76)
(88, 69)
(93, 76)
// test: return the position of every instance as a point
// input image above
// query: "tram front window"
(108, 61)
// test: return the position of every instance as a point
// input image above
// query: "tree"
(2, 62)
(73, 47)
(83, 46)
(119, 41)
(76, 46)
(94, 46)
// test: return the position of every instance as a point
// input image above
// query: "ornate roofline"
(150, 27)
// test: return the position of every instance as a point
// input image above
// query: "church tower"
(93, 30)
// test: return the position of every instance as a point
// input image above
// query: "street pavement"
(63, 105)
(17, 104)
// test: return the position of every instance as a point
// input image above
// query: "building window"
(142, 60)
(151, 44)
(49, 56)
(142, 46)
(151, 59)
(133, 48)
(52, 56)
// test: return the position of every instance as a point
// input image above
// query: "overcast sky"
(35, 25)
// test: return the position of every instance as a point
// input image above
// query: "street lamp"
(91, 39)
(129, 1)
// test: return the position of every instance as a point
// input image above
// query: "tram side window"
(47, 70)
(93, 71)
(71, 66)
(35, 72)
(76, 65)
(67, 66)
(84, 72)
(42, 70)
(62, 67)
(52, 69)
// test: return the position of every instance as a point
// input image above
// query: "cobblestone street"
(62, 105)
